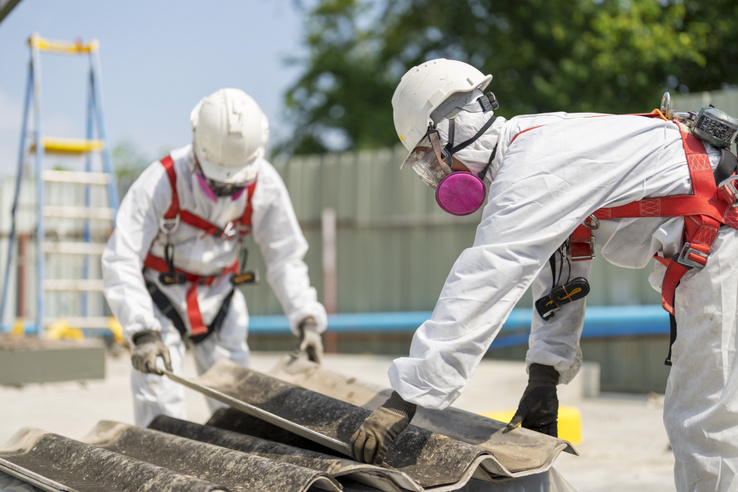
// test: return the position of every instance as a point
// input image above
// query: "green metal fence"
(394, 245)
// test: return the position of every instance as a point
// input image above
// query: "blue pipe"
(599, 322)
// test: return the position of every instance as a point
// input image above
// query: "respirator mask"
(457, 192)
(215, 189)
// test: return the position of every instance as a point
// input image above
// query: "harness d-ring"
(594, 223)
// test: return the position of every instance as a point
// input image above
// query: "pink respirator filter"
(209, 191)
(205, 187)
(460, 193)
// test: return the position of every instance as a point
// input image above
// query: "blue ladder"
(40, 145)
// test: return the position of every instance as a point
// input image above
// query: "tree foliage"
(128, 161)
(581, 55)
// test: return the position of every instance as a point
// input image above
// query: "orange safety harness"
(709, 206)
(169, 274)
(713, 203)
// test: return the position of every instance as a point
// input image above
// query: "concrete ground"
(623, 445)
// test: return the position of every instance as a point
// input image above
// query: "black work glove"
(538, 409)
(147, 347)
(310, 340)
(371, 441)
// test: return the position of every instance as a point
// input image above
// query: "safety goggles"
(429, 160)
(220, 189)
(225, 189)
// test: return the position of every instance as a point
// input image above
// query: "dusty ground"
(623, 446)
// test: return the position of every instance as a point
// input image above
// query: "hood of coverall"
(476, 155)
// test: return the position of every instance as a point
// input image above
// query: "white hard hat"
(229, 136)
(430, 92)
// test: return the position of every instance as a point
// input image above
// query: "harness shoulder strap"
(703, 213)
(172, 174)
(175, 211)
(248, 210)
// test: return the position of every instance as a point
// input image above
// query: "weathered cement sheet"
(231, 469)
(58, 463)
(344, 470)
(433, 460)
(520, 451)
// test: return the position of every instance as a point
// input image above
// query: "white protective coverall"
(275, 230)
(545, 182)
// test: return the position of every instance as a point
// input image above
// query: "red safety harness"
(240, 227)
(710, 206)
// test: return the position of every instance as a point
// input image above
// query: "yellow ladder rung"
(62, 47)
(59, 145)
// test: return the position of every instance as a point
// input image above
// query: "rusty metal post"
(330, 287)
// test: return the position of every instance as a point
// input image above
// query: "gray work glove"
(538, 409)
(371, 441)
(310, 340)
(147, 347)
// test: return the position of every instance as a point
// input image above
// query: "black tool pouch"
(573, 290)
(243, 277)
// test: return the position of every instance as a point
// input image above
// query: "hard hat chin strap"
(450, 149)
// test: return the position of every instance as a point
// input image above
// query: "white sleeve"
(556, 341)
(283, 247)
(548, 183)
(137, 224)
(485, 284)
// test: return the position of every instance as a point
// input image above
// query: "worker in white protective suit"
(545, 178)
(171, 268)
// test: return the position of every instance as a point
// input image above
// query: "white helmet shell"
(423, 89)
(229, 136)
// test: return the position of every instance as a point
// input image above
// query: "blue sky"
(158, 59)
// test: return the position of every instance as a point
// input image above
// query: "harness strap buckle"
(582, 250)
(228, 231)
(692, 257)
(728, 192)
(168, 226)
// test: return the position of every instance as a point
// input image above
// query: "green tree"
(128, 162)
(582, 55)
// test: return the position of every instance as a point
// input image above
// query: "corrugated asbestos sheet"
(448, 450)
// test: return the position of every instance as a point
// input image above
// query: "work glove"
(538, 409)
(310, 340)
(147, 347)
(371, 441)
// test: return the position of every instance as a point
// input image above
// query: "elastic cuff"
(308, 324)
(543, 374)
(146, 336)
(396, 404)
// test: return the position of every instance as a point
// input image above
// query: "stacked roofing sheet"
(237, 451)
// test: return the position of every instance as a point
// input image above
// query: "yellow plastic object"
(116, 329)
(63, 47)
(18, 328)
(570, 422)
(60, 330)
